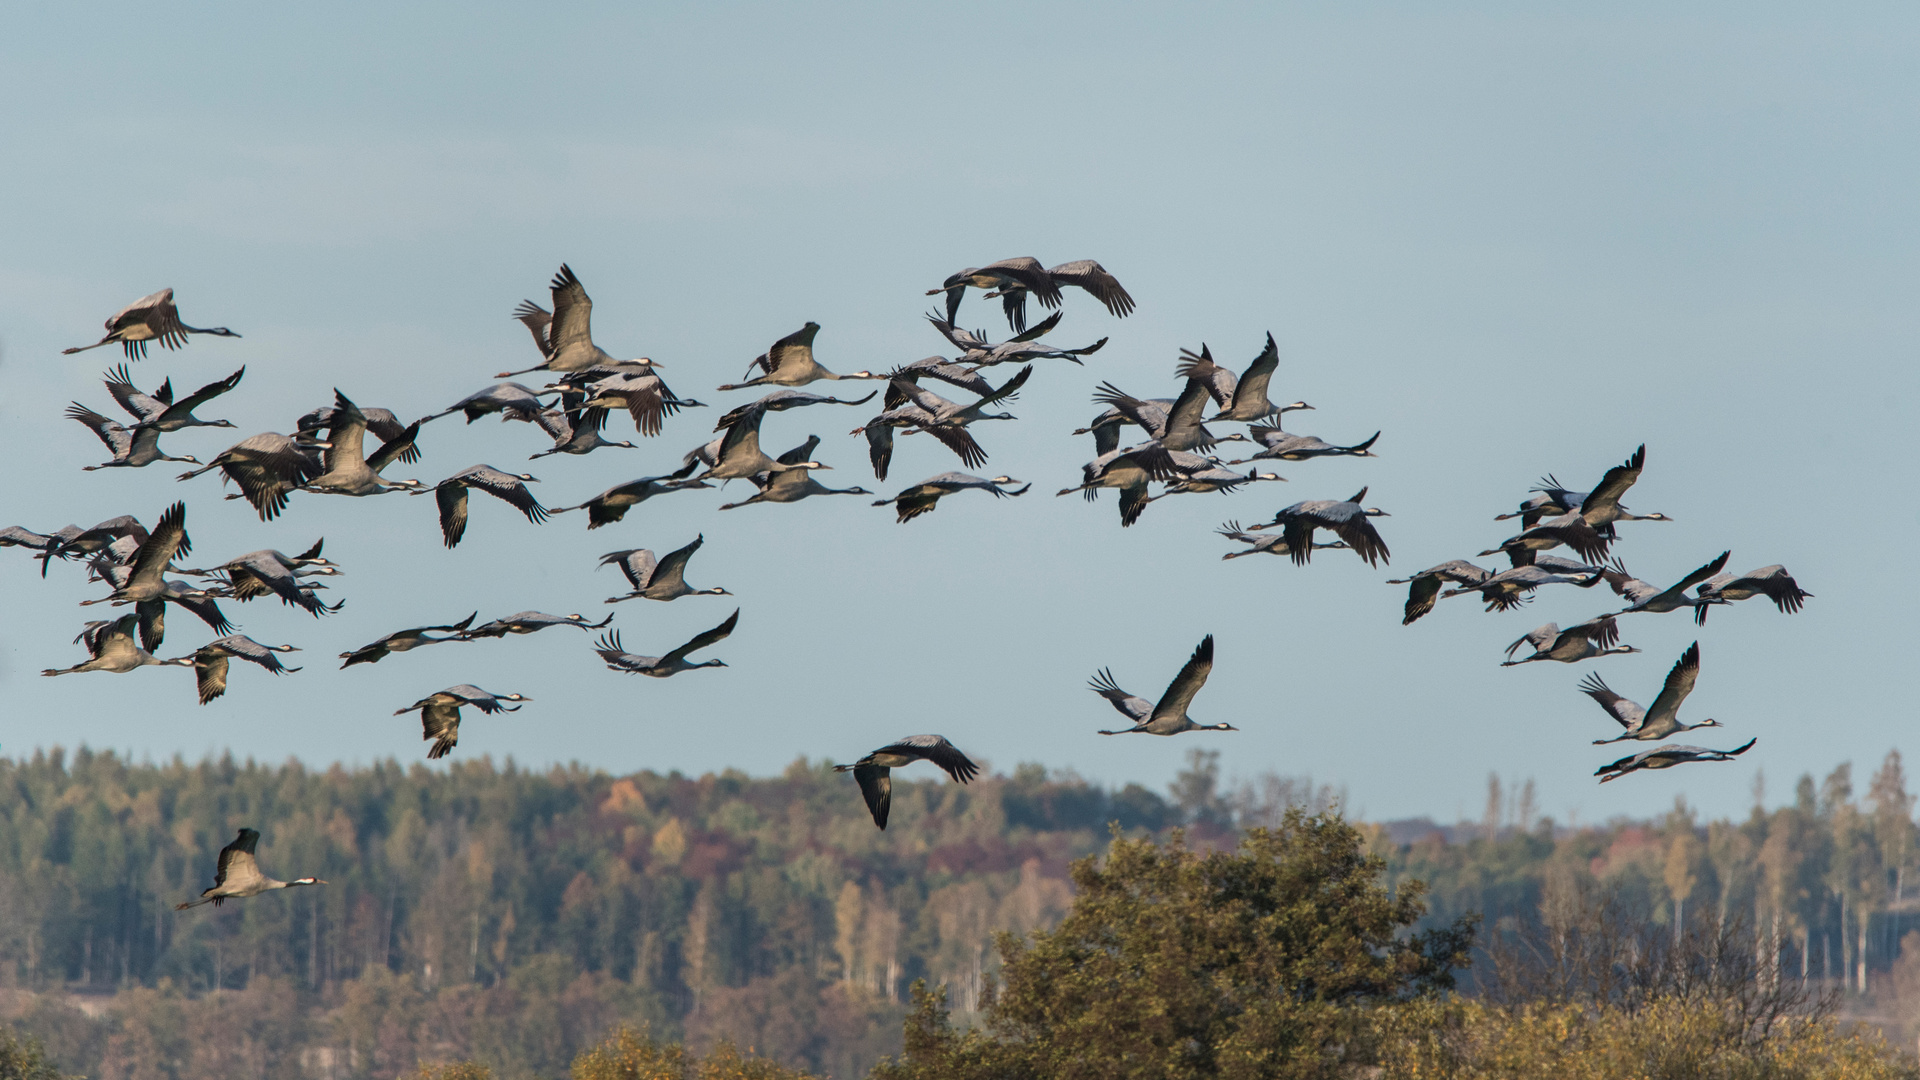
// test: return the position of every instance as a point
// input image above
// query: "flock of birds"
(1584, 522)
(328, 453)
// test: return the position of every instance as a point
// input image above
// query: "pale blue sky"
(1517, 238)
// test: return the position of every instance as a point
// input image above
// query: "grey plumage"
(405, 640)
(672, 663)
(1595, 637)
(1168, 716)
(530, 622)
(921, 498)
(1665, 757)
(239, 876)
(440, 714)
(661, 579)
(874, 772)
(151, 318)
(511, 488)
(1346, 518)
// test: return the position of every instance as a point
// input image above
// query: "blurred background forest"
(518, 917)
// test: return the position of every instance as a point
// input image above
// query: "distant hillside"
(517, 916)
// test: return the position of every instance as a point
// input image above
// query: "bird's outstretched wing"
(1626, 713)
(937, 749)
(395, 448)
(876, 786)
(1136, 709)
(536, 319)
(1606, 495)
(1185, 685)
(1680, 680)
(1539, 638)
(704, 639)
(572, 323)
(1094, 278)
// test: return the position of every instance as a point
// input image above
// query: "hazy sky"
(1516, 238)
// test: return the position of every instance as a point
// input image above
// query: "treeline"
(1824, 880)
(518, 917)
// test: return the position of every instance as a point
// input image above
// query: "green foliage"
(507, 916)
(631, 1056)
(515, 917)
(1176, 963)
(23, 1058)
(1472, 1041)
(458, 1070)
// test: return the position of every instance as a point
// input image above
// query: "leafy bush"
(631, 1056)
(1661, 1039)
(21, 1058)
(1174, 964)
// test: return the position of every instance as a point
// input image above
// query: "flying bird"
(210, 661)
(152, 559)
(674, 662)
(1772, 582)
(1278, 445)
(150, 318)
(404, 640)
(451, 494)
(1425, 586)
(782, 400)
(1601, 506)
(874, 772)
(565, 337)
(349, 469)
(612, 504)
(530, 622)
(440, 714)
(1595, 637)
(790, 362)
(1646, 596)
(1666, 757)
(1513, 587)
(1242, 398)
(1269, 544)
(259, 573)
(269, 467)
(922, 497)
(1129, 471)
(238, 875)
(1344, 517)
(1010, 280)
(1569, 528)
(790, 482)
(511, 400)
(658, 579)
(576, 431)
(1662, 720)
(112, 648)
(133, 448)
(1169, 716)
